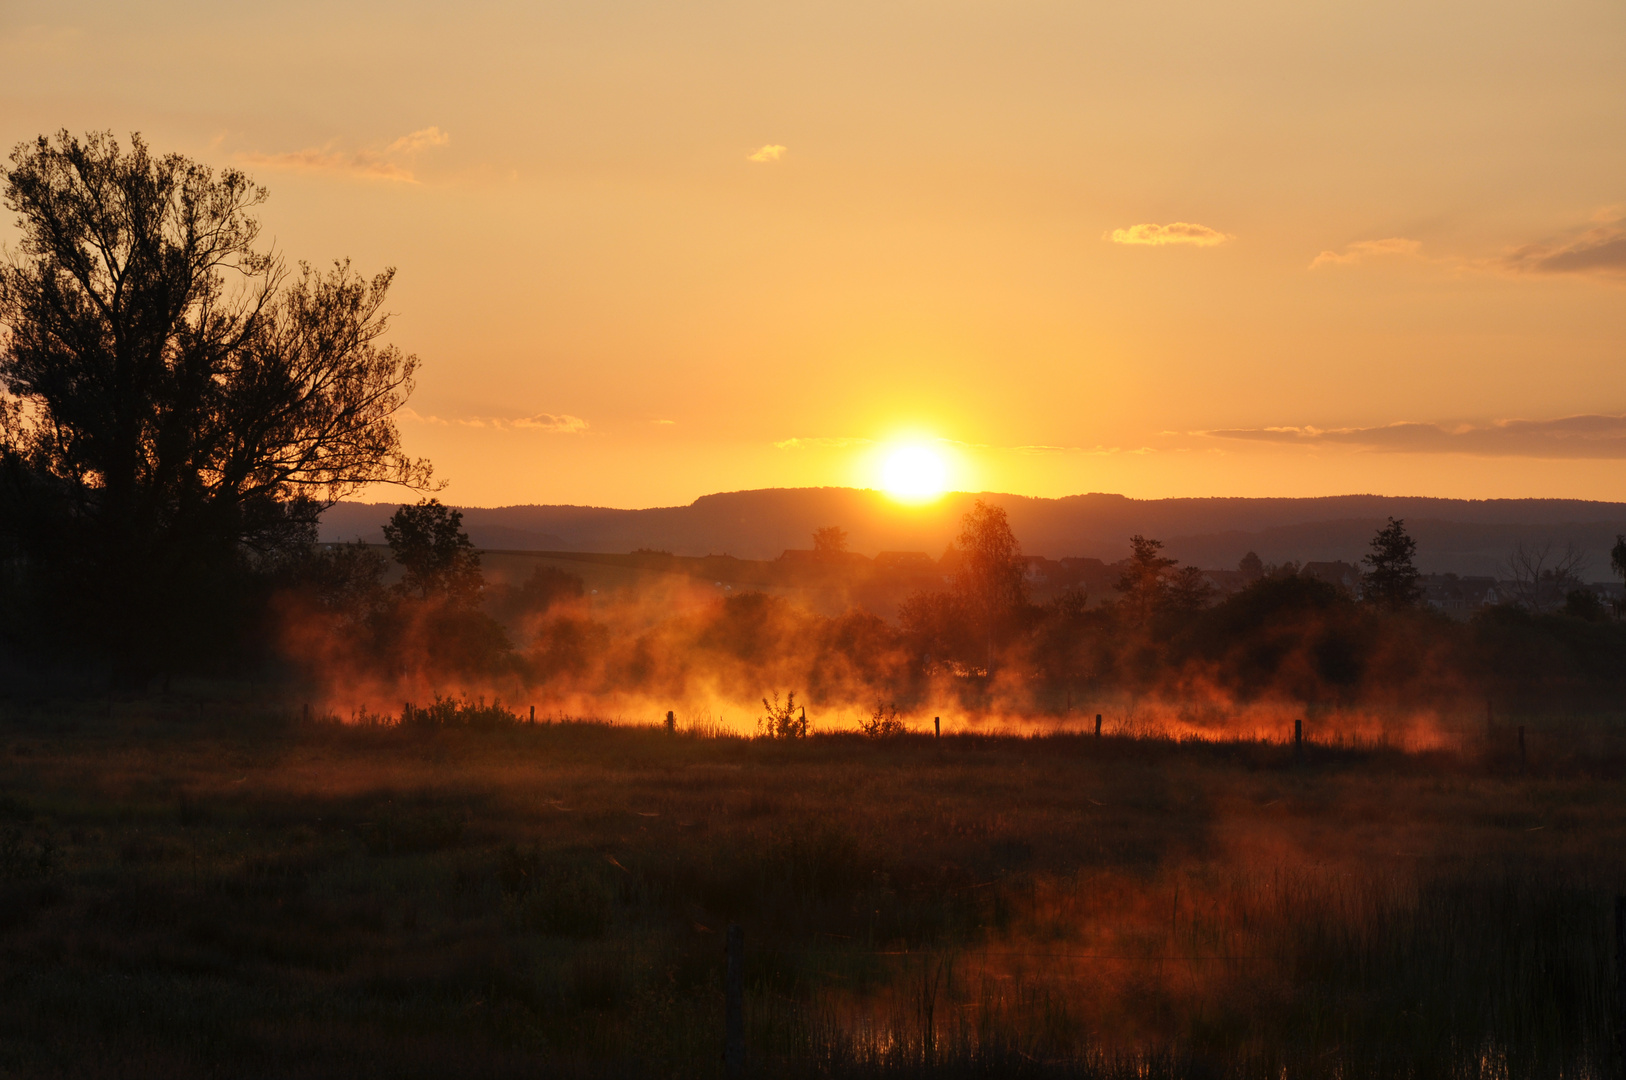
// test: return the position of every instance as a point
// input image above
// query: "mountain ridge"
(1454, 535)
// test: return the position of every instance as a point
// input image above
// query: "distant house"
(1460, 597)
(811, 557)
(1342, 575)
(1227, 581)
(1042, 572)
(1091, 575)
(907, 562)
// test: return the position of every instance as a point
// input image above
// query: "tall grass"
(459, 893)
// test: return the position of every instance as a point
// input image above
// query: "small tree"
(829, 541)
(440, 563)
(1144, 585)
(787, 721)
(1542, 579)
(1392, 580)
(883, 723)
(1188, 590)
(991, 584)
(1617, 563)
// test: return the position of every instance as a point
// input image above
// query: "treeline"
(978, 641)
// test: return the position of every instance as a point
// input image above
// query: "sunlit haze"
(650, 251)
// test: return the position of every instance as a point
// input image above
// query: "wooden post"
(1097, 725)
(734, 1001)
(671, 721)
(533, 714)
(307, 712)
(937, 727)
(1620, 976)
(1521, 742)
(406, 712)
(1298, 738)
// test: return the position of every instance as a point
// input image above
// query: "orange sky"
(1092, 246)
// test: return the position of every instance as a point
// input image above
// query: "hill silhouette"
(1453, 535)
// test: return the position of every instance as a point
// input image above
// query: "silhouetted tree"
(991, 583)
(439, 561)
(179, 403)
(829, 541)
(1252, 568)
(1143, 584)
(1617, 563)
(1392, 580)
(1188, 590)
(1542, 579)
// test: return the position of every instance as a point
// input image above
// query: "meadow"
(214, 885)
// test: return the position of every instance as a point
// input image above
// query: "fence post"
(1298, 739)
(671, 721)
(1097, 725)
(734, 1001)
(937, 727)
(1521, 743)
(307, 712)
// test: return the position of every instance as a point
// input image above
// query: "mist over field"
(813, 540)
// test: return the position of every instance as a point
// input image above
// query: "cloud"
(767, 154)
(1363, 249)
(1176, 232)
(1570, 437)
(560, 424)
(362, 164)
(1599, 250)
(821, 442)
(365, 163)
(663, 423)
(418, 140)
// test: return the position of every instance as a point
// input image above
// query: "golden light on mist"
(914, 474)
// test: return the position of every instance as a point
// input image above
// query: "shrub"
(783, 721)
(883, 723)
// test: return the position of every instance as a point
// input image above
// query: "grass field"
(220, 889)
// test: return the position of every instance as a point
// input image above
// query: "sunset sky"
(648, 251)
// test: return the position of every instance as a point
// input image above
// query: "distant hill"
(1453, 535)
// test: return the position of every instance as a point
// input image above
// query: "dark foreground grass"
(216, 890)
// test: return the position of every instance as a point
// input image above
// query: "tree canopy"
(1391, 580)
(175, 399)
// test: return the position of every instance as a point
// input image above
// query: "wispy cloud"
(1366, 249)
(1569, 437)
(558, 424)
(1175, 232)
(828, 442)
(821, 442)
(1600, 250)
(422, 139)
(767, 154)
(390, 163)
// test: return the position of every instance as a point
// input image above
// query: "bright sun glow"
(914, 473)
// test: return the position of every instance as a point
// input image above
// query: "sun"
(914, 474)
